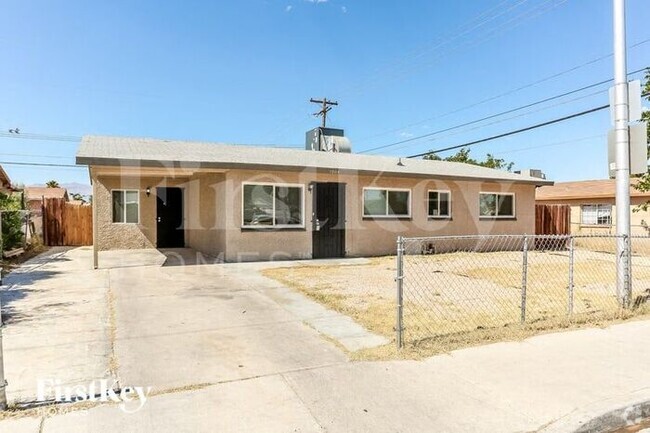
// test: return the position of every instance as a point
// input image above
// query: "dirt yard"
(456, 299)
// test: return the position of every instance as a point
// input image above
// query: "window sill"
(498, 218)
(386, 218)
(274, 229)
(596, 226)
(431, 217)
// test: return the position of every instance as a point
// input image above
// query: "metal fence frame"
(623, 298)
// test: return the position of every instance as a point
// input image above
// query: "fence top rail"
(522, 236)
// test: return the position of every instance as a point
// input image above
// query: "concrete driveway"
(57, 326)
(144, 321)
(187, 325)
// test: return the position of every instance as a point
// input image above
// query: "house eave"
(223, 166)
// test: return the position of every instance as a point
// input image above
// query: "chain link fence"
(457, 288)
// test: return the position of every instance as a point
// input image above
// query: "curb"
(601, 418)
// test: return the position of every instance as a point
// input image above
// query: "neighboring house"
(593, 209)
(34, 196)
(5, 182)
(257, 203)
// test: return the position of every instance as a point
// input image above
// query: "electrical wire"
(482, 119)
(557, 143)
(527, 113)
(504, 94)
(42, 164)
(37, 136)
(518, 131)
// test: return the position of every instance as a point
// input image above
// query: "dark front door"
(169, 218)
(328, 236)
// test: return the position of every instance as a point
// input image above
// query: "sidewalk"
(506, 387)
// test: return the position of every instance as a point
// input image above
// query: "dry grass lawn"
(459, 299)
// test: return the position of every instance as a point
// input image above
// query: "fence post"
(399, 278)
(571, 282)
(524, 279)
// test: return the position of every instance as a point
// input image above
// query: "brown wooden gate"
(67, 224)
(552, 219)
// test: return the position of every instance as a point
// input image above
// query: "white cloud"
(316, 1)
(344, 9)
(405, 134)
(288, 8)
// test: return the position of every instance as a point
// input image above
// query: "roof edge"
(116, 162)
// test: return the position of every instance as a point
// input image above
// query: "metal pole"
(524, 279)
(26, 229)
(2, 252)
(399, 278)
(95, 225)
(3, 382)
(571, 283)
(628, 273)
(622, 169)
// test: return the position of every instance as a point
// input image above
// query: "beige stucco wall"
(205, 214)
(366, 236)
(213, 214)
(639, 220)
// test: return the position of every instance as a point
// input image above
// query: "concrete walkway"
(222, 354)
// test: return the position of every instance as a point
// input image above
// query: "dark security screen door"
(169, 218)
(328, 232)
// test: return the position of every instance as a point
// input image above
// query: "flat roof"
(599, 188)
(150, 152)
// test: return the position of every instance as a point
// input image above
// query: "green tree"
(77, 196)
(12, 221)
(463, 156)
(52, 184)
(643, 182)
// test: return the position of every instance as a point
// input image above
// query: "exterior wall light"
(148, 191)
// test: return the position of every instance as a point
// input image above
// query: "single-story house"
(593, 205)
(246, 203)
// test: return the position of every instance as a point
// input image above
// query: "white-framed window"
(126, 206)
(386, 202)
(439, 204)
(596, 214)
(496, 205)
(273, 205)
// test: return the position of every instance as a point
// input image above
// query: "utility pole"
(326, 108)
(3, 382)
(622, 169)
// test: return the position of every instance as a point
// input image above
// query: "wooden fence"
(67, 224)
(552, 219)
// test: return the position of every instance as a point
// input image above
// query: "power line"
(472, 122)
(506, 119)
(403, 67)
(557, 143)
(32, 155)
(518, 131)
(509, 92)
(37, 136)
(42, 164)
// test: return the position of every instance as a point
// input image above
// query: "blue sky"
(243, 72)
